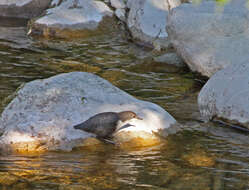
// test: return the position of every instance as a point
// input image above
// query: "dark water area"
(199, 157)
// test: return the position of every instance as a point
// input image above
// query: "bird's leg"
(105, 140)
(109, 141)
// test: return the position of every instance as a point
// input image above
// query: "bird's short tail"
(79, 126)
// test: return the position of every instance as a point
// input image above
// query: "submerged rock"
(225, 95)
(147, 21)
(170, 58)
(43, 113)
(72, 18)
(23, 8)
(209, 39)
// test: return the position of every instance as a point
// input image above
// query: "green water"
(201, 156)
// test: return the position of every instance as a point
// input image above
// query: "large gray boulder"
(226, 95)
(210, 38)
(43, 113)
(147, 21)
(74, 18)
(23, 8)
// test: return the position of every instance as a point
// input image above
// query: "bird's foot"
(107, 141)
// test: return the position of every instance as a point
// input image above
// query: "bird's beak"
(139, 118)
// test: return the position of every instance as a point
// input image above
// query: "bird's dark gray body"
(102, 124)
(105, 124)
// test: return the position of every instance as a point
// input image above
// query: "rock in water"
(44, 111)
(225, 95)
(209, 40)
(82, 18)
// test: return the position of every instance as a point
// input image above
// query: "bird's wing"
(99, 121)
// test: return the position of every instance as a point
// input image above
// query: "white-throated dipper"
(103, 125)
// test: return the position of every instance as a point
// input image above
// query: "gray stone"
(171, 59)
(209, 39)
(46, 111)
(120, 13)
(129, 3)
(147, 21)
(225, 95)
(118, 4)
(72, 15)
(23, 8)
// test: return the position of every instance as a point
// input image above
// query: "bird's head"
(127, 115)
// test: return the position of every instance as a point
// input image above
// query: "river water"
(199, 157)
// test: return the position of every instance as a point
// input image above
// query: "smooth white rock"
(147, 20)
(46, 110)
(226, 95)
(209, 37)
(86, 14)
(118, 4)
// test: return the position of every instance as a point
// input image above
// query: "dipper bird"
(103, 125)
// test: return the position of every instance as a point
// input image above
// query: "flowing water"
(199, 157)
